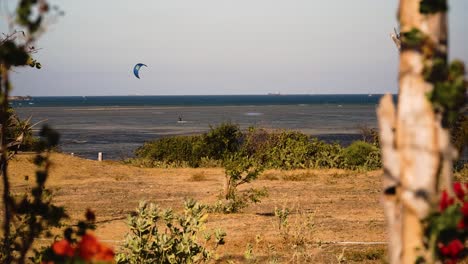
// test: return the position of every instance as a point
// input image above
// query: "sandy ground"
(342, 206)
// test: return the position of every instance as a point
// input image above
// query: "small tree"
(239, 170)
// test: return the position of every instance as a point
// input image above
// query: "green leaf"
(413, 38)
(433, 6)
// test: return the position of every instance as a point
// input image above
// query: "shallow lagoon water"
(118, 130)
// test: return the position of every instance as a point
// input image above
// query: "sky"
(199, 47)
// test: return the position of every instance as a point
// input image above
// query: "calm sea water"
(117, 125)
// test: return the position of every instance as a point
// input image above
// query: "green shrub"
(289, 151)
(256, 144)
(358, 153)
(374, 160)
(278, 149)
(324, 155)
(269, 149)
(222, 140)
(158, 236)
(188, 149)
(200, 150)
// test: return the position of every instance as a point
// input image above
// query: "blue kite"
(136, 69)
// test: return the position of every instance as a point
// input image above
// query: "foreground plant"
(32, 214)
(78, 245)
(161, 236)
(446, 229)
(29, 217)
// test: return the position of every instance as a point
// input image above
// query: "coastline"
(117, 131)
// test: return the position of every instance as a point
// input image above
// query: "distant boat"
(275, 94)
(369, 95)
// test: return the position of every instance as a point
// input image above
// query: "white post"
(72, 154)
(99, 156)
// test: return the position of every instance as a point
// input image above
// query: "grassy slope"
(344, 205)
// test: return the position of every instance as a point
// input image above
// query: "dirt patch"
(343, 205)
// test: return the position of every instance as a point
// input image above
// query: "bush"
(358, 153)
(158, 236)
(256, 143)
(325, 155)
(206, 149)
(222, 140)
(188, 149)
(271, 150)
(284, 149)
(374, 160)
(289, 151)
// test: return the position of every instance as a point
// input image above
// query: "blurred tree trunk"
(416, 150)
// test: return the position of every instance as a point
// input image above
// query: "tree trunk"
(416, 150)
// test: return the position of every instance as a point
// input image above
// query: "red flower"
(452, 249)
(445, 201)
(105, 254)
(458, 188)
(88, 247)
(63, 248)
(443, 249)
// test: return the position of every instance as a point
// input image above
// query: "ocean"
(117, 125)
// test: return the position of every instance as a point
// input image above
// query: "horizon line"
(263, 94)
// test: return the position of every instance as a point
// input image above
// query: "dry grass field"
(336, 214)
